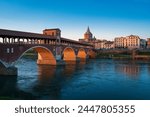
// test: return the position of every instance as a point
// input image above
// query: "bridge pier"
(92, 55)
(9, 71)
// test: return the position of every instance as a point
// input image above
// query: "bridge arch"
(69, 54)
(82, 54)
(91, 53)
(45, 56)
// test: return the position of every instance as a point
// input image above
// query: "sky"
(107, 19)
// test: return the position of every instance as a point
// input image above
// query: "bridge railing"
(63, 42)
(67, 42)
(19, 37)
(6, 40)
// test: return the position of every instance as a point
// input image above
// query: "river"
(97, 79)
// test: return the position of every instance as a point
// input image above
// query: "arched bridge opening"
(45, 56)
(69, 55)
(82, 55)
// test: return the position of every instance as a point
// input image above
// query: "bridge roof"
(77, 42)
(21, 34)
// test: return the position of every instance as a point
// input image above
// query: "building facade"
(143, 43)
(53, 32)
(130, 42)
(109, 45)
(100, 44)
(97, 43)
(119, 42)
(148, 43)
(133, 42)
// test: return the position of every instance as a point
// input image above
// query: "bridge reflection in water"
(97, 79)
(49, 82)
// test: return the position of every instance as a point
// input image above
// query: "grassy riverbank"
(144, 55)
(114, 56)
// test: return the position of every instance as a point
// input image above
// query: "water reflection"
(70, 62)
(86, 80)
(50, 80)
(46, 71)
(130, 69)
(48, 84)
(82, 61)
(69, 70)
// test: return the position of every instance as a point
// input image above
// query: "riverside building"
(148, 43)
(98, 44)
(130, 42)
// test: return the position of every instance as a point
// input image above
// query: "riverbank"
(114, 56)
(123, 54)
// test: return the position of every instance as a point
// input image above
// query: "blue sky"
(107, 18)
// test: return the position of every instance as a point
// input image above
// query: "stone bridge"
(50, 46)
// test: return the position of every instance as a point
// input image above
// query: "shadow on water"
(48, 83)
(9, 91)
(8, 87)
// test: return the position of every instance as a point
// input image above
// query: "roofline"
(70, 40)
(52, 29)
(10, 33)
(21, 34)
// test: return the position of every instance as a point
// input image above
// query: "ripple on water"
(97, 79)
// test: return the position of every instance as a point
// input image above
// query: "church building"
(88, 36)
(97, 43)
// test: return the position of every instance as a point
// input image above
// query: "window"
(52, 33)
(7, 50)
(12, 50)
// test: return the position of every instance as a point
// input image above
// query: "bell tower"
(88, 35)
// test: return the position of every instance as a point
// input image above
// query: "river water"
(96, 79)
